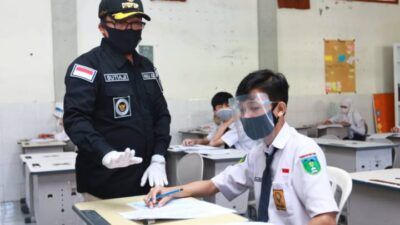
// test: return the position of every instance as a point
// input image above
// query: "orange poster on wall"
(383, 112)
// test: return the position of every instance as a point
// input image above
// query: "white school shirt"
(236, 136)
(357, 123)
(300, 188)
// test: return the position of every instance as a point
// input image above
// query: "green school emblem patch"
(242, 159)
(310, 163)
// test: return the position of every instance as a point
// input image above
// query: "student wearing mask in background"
(224, 132)
(115, 110)
(286, 169)
(350, 117)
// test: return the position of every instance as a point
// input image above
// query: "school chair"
(190, 168)
(340, 182)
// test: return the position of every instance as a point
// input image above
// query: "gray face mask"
(224, 114)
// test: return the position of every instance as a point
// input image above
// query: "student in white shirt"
(286, 169)
(350, 117)
(225, 132)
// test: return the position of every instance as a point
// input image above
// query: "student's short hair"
(272, 83)
(220, 98)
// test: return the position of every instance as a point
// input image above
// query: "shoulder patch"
(310, 163)
(84, 73)
(242, 159)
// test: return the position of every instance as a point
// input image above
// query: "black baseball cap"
(122, 9)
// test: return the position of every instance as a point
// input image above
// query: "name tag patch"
(122, 107)
(84, 73)
(149, 76)
(279, 199)
(257, 179)
(116, 77)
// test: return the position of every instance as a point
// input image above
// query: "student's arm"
(216, 140)
(190, 142)
(194, 189)
(358, 124)
(323, 219)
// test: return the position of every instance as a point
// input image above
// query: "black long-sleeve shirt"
(111, 104)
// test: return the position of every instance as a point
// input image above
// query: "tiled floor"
(10, 214)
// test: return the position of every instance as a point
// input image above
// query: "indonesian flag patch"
(84, 72)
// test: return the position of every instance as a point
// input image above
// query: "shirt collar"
(281, 139)
(118, 59)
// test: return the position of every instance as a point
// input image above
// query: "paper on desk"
(181, 148)
(329, 125)
(186, 208)
(214, 151)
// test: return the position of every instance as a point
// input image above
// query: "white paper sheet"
(186, 208)
(181, 148)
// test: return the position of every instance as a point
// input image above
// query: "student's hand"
(326, 122)
(345, 124)
(150, 199)
(188, 142)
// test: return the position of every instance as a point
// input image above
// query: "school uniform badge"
(122, 107)
(279, 199)
(310, 163)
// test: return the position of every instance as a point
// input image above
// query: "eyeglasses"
(124, 25)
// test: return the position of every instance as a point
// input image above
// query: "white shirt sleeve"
(311, 181)
(234, 180)
(357, 124)
(212, 132)
(231, 136)
(336, 118)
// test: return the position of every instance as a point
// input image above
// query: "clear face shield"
(254, 111)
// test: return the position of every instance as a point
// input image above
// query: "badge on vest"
(310, 163)
(122, 107)
(153, 76)
(116, 77)
(84, 73)
(279, 199)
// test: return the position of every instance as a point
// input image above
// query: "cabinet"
(396, 59)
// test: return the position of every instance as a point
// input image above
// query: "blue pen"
(160, 196)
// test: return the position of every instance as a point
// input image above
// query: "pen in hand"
(163, 195)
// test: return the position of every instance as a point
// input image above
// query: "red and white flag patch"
(84, 72)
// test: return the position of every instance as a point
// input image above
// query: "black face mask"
(124, 41)
(258, 127)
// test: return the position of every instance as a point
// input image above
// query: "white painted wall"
(26, 84)
(301, 50)
(200, 48)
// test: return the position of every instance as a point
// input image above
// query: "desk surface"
(353, 144)
(51, 166)
(385, 178)
(47, 156)
(233, 154)
(52, 143)
(110, 209)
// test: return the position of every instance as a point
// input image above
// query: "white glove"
(155, 172)
(116, 159)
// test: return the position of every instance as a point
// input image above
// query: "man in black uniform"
(115, 111)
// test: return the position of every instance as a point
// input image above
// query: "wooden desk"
(110, 209)
(355, 156)
(29, 147)
(373, 203)
(193, 133)
(333, 129)
(304, 129)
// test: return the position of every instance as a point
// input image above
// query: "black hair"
(272, 83)
(220, 98)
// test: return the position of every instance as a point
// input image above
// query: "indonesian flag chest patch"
(84, 73)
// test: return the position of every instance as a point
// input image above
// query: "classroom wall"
(301, 50)
(200, 48)
(26, 84)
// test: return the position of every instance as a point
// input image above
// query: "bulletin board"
(340, 73)
(383, 112)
